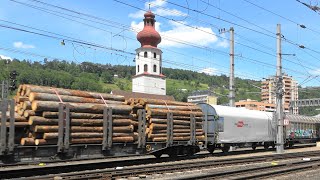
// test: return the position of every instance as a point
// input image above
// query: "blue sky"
(204, 50)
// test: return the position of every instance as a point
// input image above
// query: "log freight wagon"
(229, 126)
(46, 124)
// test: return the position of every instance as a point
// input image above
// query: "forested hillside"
(101, 78)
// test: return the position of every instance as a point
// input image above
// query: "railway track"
(257, 172)
(153, 170)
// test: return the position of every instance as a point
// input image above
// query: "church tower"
(149, 78)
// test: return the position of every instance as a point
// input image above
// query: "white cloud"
(224, 43)
(315, 72)
(155, 3)
(155, 6)
(139, 26)
(210, 71)
(137, 15)
(5, 57)
(23, 46)
(200, 36)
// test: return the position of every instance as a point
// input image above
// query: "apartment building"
(290, 87)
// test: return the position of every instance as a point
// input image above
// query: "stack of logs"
(37, 107)
(36, 116)
(156, 115)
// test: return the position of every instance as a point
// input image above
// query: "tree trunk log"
(143, 101)
(154, 126)
(17, 117)
(20, 112)
(174, 135)
(28, 113)
(87, 135)
(39, 142)
(186, 118)
(157, 112)
(115, 129)
(27, 142)
(69, 92)
(37, 120)
(21, 99)
(193, 108)
(175, 122)
(53, 97)
(81, 107)
(26, 105)
(99, 140)
(18, 124)
(174, 131)
(49, 114)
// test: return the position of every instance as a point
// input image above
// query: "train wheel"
(266, 146)
(211, 149)
(173, 153)
(254, 146)
(291, 144)
(158, 155)
(225, 148)
(191, 152)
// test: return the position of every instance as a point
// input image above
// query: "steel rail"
(161, 168)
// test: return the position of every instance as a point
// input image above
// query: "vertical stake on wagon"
(3, 127)
(192, 129)
(61, 127)
(169, 129)
(67, 132)
(142, 128)
(11, 127)
(107, 128)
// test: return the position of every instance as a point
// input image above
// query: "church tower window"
(145, 54)
(145, 68)
(154, 68)
(154, 55)
(138, 68)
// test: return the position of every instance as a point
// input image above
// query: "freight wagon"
(47, 124)
(229, 126)
(58, 124)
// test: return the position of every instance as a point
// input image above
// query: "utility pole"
(231, 81)
(279, 94)
(231, 77)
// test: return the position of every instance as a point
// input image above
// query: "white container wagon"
(226, 126)
(229, 126)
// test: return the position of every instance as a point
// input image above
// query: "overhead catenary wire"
(63, 35)
(117, 50)
(121, 27)
(290, 20)
(206, 48)
(212, 25)
(202, 30)
(242, 57)
(118, 23)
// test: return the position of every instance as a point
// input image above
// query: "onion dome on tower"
(149, 37)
